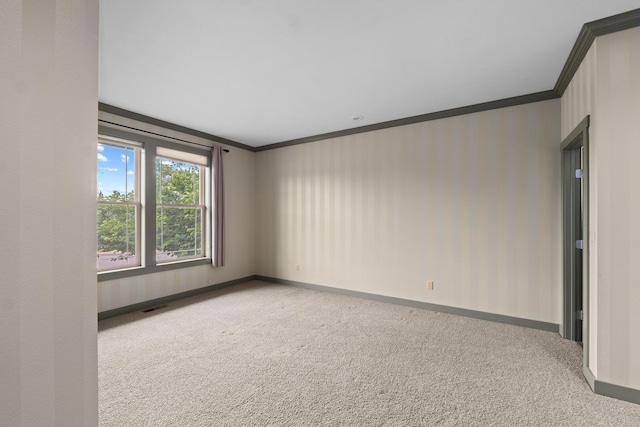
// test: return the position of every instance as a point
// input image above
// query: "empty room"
(225, 213)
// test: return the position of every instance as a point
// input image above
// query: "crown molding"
(168, 125)
(476, 108)
(588, 34)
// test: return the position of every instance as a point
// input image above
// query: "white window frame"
(152, 146)
(201, 162)
(136, 203)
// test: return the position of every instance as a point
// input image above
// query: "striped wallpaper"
(616, 149)
(576, 103)
(48, 325)
(471, 202)
(607, 88)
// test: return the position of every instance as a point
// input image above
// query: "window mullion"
(149, 173)
(107, 203)
(137, 198)
(175, 205)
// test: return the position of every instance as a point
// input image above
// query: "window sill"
(105, 276)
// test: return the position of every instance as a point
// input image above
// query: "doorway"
(575, 225)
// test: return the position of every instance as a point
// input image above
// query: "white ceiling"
(266, 71)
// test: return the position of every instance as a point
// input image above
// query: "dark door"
(580, 241)
(573, 240)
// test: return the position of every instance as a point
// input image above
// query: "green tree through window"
(126, 204)
(179, 210)
(118, 207)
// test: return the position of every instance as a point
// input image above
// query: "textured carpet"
(265, 354)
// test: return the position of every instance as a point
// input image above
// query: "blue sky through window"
(116, 167)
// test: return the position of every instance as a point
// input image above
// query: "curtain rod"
(158, 134)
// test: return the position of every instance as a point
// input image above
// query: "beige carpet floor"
(261, 354)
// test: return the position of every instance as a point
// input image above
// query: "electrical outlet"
(430, 285)
(177, 277)
(297, 267)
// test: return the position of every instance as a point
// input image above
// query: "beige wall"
(617, 149)
(239, 175)
(577, 102)
(609, 90)
(48, 98)
(470, 202)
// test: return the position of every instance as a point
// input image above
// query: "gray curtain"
(217, 208)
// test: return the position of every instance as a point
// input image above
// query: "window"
(118, 199)
(179, 206)
(152, 202)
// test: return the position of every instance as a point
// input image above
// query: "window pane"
(116, 173)
(177, 182)
(178, 233)
(116, 237)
